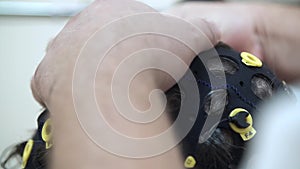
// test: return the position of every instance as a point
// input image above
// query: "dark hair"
(39, 155)
(218, 151)
(11, 152)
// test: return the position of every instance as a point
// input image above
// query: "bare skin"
(52, 86)
(267, 30)
(53, 81)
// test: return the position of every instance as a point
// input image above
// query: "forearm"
(81, 129)
(75, 82)
(75, 148)
(278, 32)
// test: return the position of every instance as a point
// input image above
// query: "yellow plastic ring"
(27, 152)
(251, 60)
(190, 162)
(249, 120)
(47, 133)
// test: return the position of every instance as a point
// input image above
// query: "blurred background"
(25, 29)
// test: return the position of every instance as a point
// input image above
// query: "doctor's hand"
(109, 64)
(269, 31)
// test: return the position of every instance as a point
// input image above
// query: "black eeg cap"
(245, 87)
(247, 83)
(37, 154)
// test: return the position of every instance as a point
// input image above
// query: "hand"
(67, 85)
(269, 31)
(237, 22)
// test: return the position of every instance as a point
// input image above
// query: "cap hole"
(241, 83)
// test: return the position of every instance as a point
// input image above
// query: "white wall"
(22, 44)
